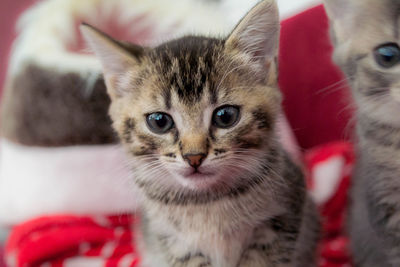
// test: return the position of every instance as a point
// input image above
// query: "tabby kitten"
(196, 115)
(366, 37)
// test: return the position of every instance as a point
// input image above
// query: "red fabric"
(2, 263)
(57, 239)
(317, 106)
(62, 238)
(333, 247)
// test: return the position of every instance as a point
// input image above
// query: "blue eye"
(387, 55)
(159, 123)
(225, 116)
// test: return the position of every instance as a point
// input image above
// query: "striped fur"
(248, 205)
(360, 26)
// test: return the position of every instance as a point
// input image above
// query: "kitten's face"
(194, 101)
(367, 37)
(198, 112)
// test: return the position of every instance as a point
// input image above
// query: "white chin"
(198, 181)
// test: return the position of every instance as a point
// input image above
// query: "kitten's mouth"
(196, 174)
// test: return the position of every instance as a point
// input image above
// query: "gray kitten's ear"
(339, 13)
(257, 34)
(336, 8)
(117, 59)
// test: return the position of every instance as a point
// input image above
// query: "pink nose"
(194, 160)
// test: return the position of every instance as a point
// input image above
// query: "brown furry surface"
(43, 107)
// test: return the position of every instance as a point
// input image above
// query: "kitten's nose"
(194, 160)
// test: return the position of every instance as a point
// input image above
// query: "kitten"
(197, 115)
(366, 38)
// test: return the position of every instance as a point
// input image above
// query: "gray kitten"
(366, 38)
(197, 117)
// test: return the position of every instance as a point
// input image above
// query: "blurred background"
(10, 10)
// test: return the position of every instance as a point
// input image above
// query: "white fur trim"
(234, 9)
(80, 179)
(290, 7)
(46, 28)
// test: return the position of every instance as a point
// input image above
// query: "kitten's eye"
(159, 123)
(387, 55)
(225, 116)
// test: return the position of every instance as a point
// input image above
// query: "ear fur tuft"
(116, 57)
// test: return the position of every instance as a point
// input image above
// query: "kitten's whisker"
(147, 168)
(257, 162)
(135, 163)
(341, 84)
(252, 172)
(147, 156)
(226, 75)
(230, 70)
(376, 91)
(149, 173)
(219, 158)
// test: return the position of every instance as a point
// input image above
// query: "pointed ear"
(257, 34)
(339, 12)
(117, 59)
(336, 8)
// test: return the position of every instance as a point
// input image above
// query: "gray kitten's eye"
(159, 123)
(225, 116)
(387, 55)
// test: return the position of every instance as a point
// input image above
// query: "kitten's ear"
(257, 34)
(117, 59)
(338, 12)
(336, 8)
